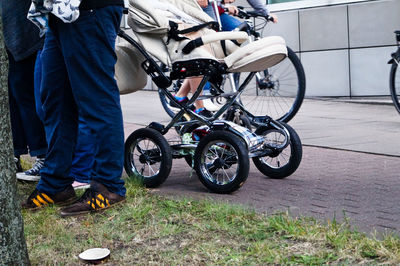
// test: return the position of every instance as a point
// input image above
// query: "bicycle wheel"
(173, 89)
(277, 91)
(395, 85)
(148, 157)
(284, 163)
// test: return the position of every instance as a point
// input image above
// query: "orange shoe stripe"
(37, 203)
(47, 198)
(100, 204)
(41, 200)
(100, 197)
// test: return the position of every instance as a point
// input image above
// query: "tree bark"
(13, 250)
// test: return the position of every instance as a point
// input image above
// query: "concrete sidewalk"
(350, 166)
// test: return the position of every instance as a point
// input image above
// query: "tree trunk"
(13, 250)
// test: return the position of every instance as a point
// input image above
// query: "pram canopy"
(160, 27)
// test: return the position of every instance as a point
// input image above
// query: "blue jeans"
(228, 22)
(27, 129)
(78, 78)
(83, 158)
(38, 79)
(210, 11)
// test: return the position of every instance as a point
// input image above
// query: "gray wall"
(344, 48)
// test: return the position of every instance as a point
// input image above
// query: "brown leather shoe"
(95, 198)
(39, 199)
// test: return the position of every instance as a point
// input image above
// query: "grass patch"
(149, 229)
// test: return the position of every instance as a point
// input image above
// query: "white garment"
(173, 13)
(66, 10)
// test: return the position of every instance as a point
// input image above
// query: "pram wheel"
(221, 161)
(148, 157)
(280, 164)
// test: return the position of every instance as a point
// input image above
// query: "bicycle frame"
(394, 61)
(396, 56)
(253, 36)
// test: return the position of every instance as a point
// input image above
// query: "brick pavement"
(329, 183)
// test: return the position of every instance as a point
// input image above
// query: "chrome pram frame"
(212, 72)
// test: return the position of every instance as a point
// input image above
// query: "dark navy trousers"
(83, 158)
(27, 128)
(78, 62)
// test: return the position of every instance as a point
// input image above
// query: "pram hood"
(145, 17)
(150, 24)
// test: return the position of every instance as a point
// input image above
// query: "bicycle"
(394, 78)
(277, 92)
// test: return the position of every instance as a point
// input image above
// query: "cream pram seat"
(177, 33)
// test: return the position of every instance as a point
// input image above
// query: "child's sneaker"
(204, 112)
(96, 198)
(183, 101)
(32, 174)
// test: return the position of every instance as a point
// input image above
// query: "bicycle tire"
(395, 86)
(165, 101)
(280, 100)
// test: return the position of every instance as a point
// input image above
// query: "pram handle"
(214, 37)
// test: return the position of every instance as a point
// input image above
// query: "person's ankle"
(198, 110)
(179, 99)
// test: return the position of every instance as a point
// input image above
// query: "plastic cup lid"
(94, 254)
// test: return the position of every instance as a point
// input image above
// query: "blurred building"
(344, 45)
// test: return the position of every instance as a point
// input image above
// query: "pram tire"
(270, 165)
(209, 173)
(164, 159)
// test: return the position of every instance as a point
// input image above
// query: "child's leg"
(194, 84)
(184, 89)
(190, 85)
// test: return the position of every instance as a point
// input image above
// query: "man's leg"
(19, 142)
(88, 47)
(60, 118)
(27, 128)
(38, 81)
(83, 159)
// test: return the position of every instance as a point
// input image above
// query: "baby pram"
(179, 35)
